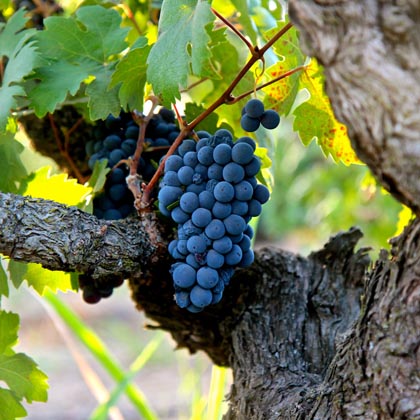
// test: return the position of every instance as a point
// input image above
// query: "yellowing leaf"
(56, 187)
(315, 119)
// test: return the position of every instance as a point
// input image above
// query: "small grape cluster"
(254, 114)
(210, 190)
(116, 140)
(94, 290)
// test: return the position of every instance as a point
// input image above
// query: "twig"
(232, 27)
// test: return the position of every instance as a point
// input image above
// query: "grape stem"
(282, 76)
(64, 148)
(133, 179)
(225, 98)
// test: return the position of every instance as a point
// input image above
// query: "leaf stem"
(275, 80)
(232, 27)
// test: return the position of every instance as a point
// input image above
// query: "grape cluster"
(116, 140)
(254, 114)
(94, 290)
(209, 189)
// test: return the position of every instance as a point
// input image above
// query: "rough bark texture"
(371, 53)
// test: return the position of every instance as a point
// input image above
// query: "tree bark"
(370, 50)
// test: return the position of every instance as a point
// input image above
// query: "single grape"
(234, 257)
(234, 224)
(200, 297)
(221, 210)
(196, 244)
(233, 172)
(261, 193)
(184, 275)
(207, 277)
(216, 229)
(189, 202)
(205, 155)
(214, 260)
(270, 119)
(206, 200)
(222, 154)
(222, 245)
(112, 142)
(201, 217)
(254, 108)
(185, 175)
(249, 124)
(173, 163)
(242, 153)
(224, 192)
(243, 191)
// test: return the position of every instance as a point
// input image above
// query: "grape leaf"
(11, 408)
(22, 59)
(12, 170)
(130, 76)
(9, 326)
(18, 371)
(314, 119)
(17, 271)
(40, 278)
(181, 49)
(56, 187)
(4, 284)
(23, 377)
(77, 49)
(281, 94)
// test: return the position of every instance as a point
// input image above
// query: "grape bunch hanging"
(208, 188)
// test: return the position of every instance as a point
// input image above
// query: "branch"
(65, 238)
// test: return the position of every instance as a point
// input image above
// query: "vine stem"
(225, 98)
(232, 27)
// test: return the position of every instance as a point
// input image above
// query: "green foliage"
(17, 371)
(183, 27)
(130, 76)
(75, 49)
(21, 60)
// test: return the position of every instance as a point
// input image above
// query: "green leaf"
(40, 279)
(12, 170)
(9, 326)
(13, 33)
(281, 95)
(315, 119)
(4, 284)
(181, 49)
(22, 59)
(76, 49)
(130, 77)
(11, 408)
(98, 177)
(17, 271)
(23, 377)
(56, 187)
